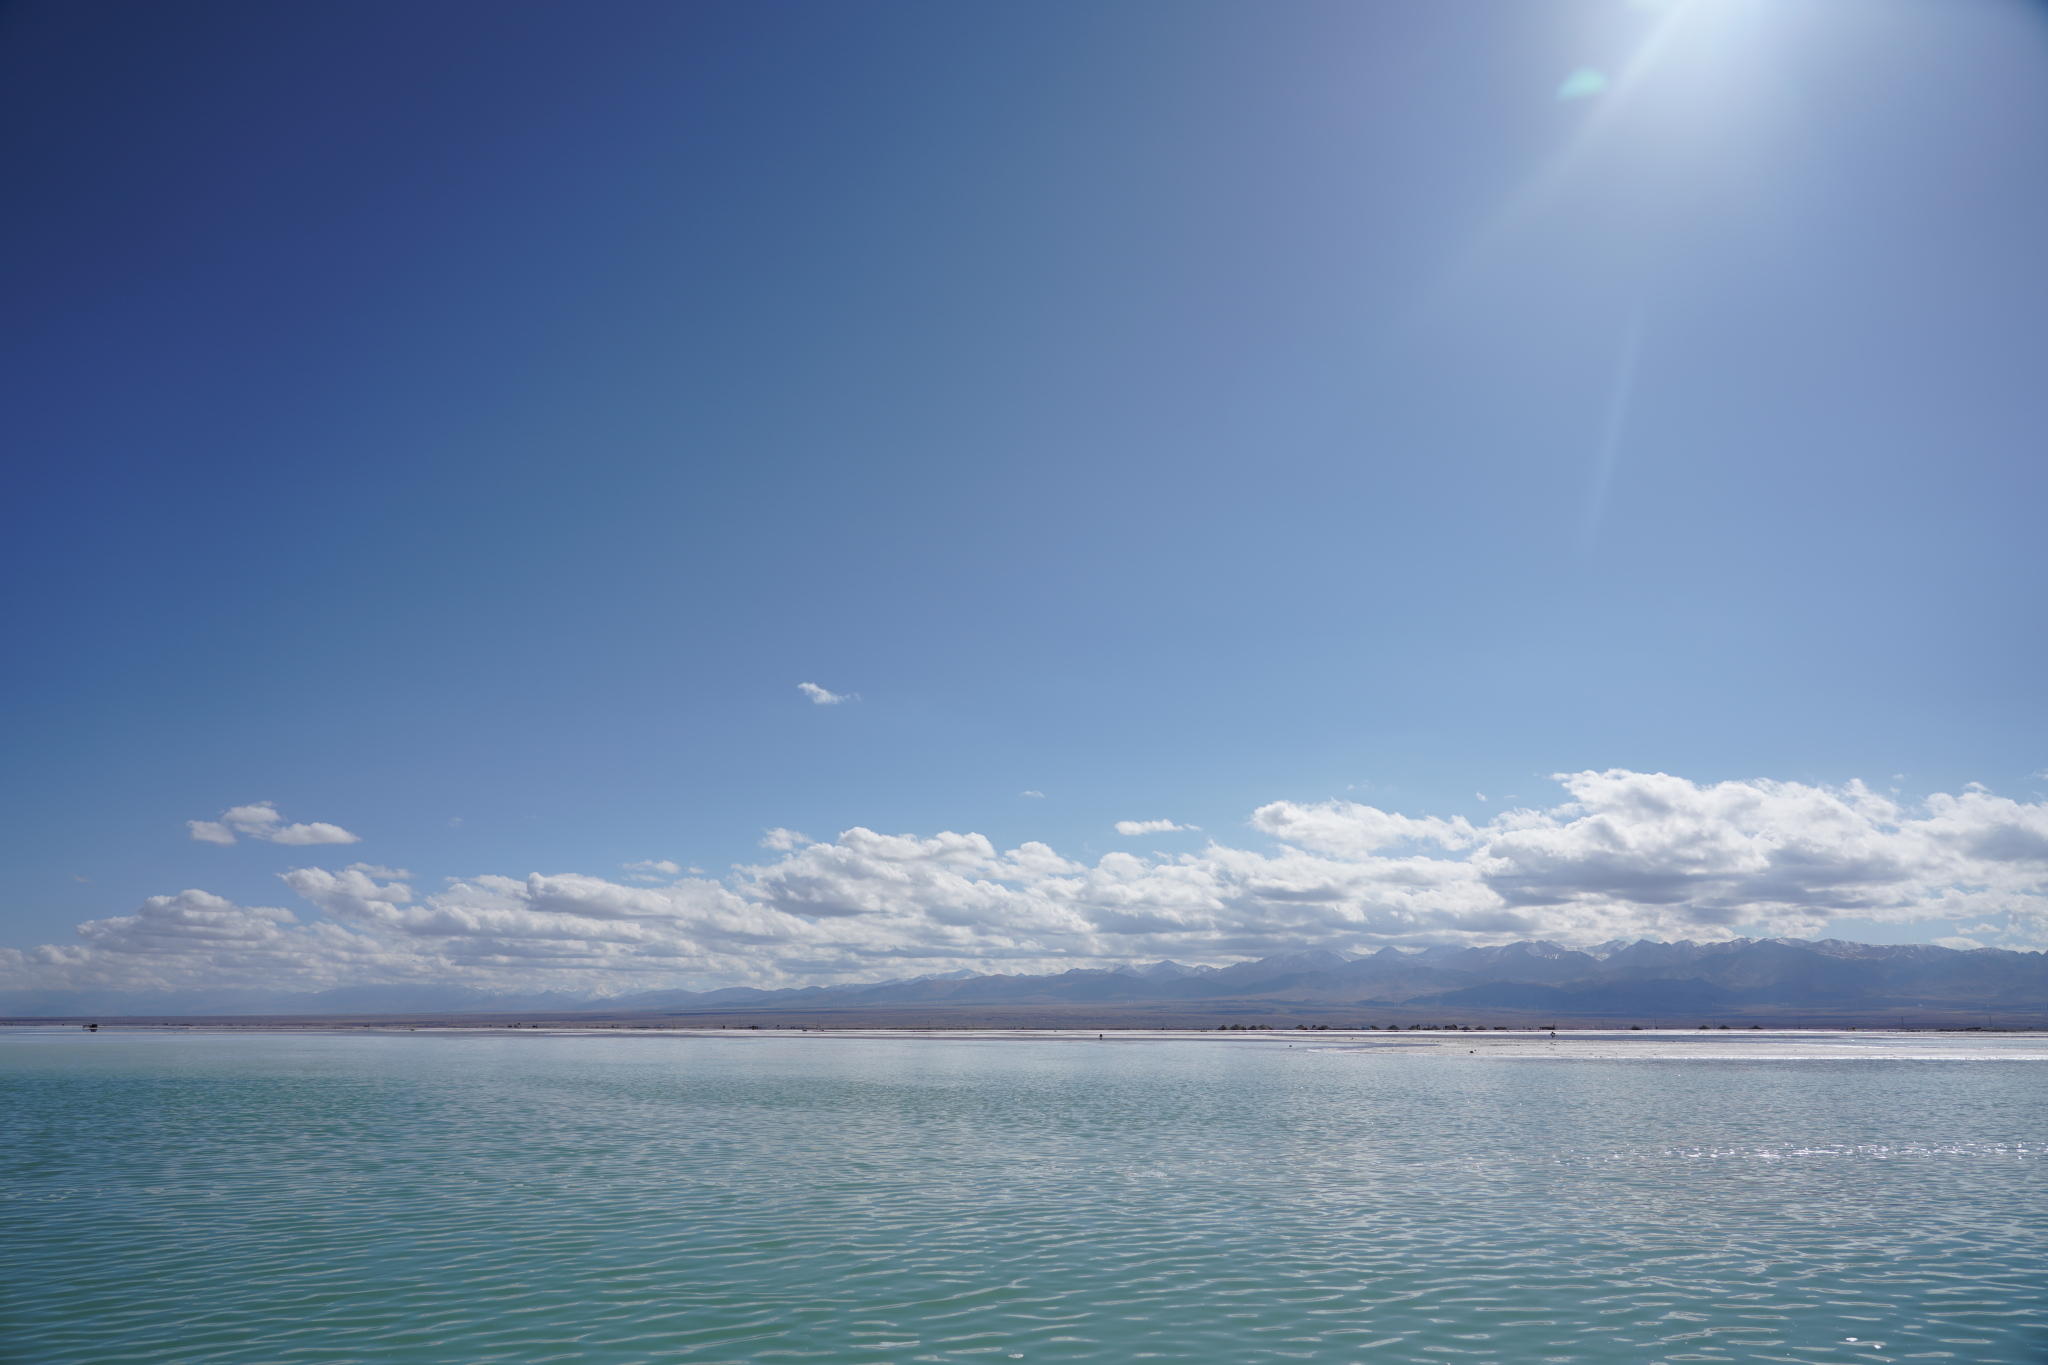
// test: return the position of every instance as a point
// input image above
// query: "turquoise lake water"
(322, 1198)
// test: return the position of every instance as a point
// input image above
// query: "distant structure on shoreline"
(1771, 982)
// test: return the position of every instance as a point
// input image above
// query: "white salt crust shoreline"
(1531, 1045)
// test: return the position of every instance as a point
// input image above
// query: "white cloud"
(1131, 828)
(315, 833)
(376, 871)
(1626, 855)
(1349, 830)
(348, 894)
(261, 821)
(820, 697)
(1039, 795)
(194, 939)
(653, 865)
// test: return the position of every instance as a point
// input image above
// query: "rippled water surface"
(458, 1198)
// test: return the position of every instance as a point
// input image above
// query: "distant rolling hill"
(1751, 980)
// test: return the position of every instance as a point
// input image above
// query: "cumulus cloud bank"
(1627, 855)
(261, 821)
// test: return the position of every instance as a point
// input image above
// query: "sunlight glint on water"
(421, 1198)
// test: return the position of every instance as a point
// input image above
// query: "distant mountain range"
(1749, 979)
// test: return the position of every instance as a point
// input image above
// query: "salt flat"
(1564, 1044)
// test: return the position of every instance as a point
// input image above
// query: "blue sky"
(467, 425)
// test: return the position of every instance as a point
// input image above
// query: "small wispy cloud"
(821, 697)
(261, 821)
(1581, 84)
(1036, 796)
(1129, 828)
(653, 865)
(376, 870)
(783, 840)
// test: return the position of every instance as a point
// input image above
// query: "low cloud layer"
(261, 821)
(1628, 855)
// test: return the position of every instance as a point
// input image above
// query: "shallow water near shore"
(398, 1197)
